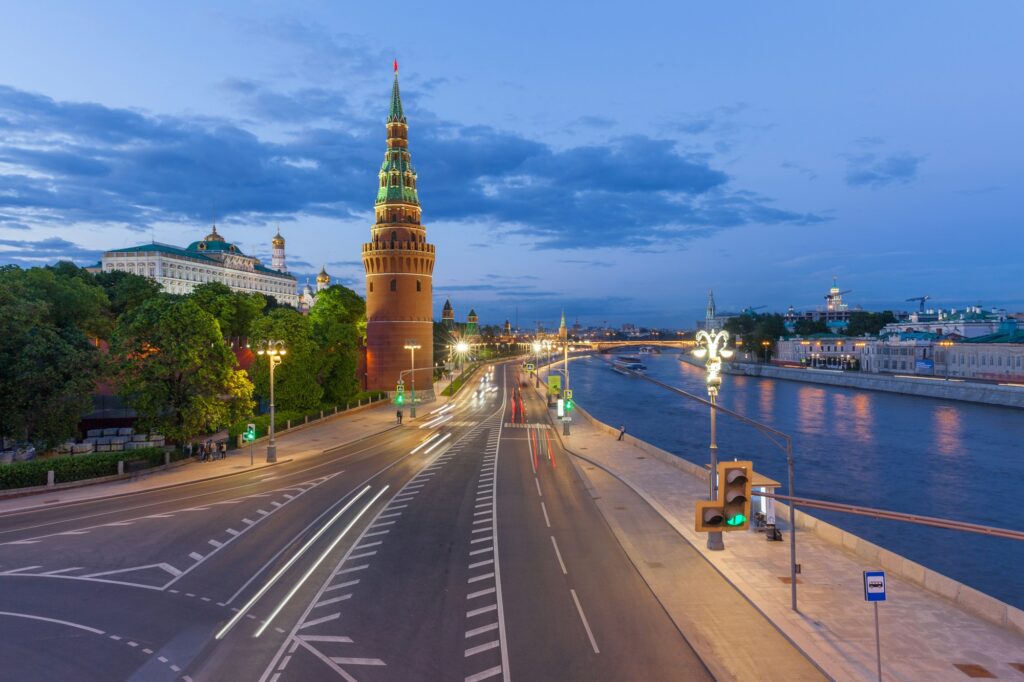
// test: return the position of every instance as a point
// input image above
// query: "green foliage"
(73, 298)
(74, 467)
(806, 327)
(126, 290)
(49, 366)
(296, 379)
(755, 330)
(338, 322)
(176, 371)
(235, 311)
(862, 322)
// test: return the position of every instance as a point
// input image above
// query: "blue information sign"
(874, 585)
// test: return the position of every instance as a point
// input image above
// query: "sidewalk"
(924, 635)
(295, 444)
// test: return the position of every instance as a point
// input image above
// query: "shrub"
(75, 468)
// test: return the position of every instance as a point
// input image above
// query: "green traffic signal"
(400, 399)
(737, 520)
(569, 404)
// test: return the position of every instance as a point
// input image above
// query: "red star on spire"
(396, 66)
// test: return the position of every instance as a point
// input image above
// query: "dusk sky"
(616, 163)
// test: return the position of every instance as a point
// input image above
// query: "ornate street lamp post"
(273, 349)
(713, 348)
(412, 346)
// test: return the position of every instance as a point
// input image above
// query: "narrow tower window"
(419, 286)
(394, 285)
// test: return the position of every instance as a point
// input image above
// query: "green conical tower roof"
(396, 115)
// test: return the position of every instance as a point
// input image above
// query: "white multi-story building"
(180, 270)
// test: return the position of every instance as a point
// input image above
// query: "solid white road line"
(478, 578)
(478, 564)
(481, 551)
(263, 590)
(558, 554)
(318, 621)
(363, 555)
(326, 638)
(348, 583)
(586, 625)
(481, 593)
(78, 626)
(356, 661)
(332, 600)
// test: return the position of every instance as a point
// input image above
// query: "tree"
(296, 385)
(175, 370)
(73, 298)
(338, 324)
(49, 372)
(234, 310)
(126, 290)
(871, 324)
(806, 327)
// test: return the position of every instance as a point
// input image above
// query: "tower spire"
(396, 115)
(710, 312)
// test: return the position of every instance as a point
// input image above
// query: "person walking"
(622, 432)
(399, 415)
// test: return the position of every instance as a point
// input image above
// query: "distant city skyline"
(617, 170)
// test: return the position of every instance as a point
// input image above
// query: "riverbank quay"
(925, 633)
(928, 387)
(299, 443)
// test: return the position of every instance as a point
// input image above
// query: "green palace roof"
(1009, 336)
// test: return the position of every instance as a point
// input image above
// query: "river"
(920, 455)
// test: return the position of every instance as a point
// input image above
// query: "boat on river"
(626, 364)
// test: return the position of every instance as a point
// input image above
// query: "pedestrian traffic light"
(731, 511)
(400, 393)
(569, 402)
(250, 433)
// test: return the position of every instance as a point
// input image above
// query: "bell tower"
(399, 265)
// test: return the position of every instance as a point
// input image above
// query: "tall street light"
(412, 346)
(713, 348)
(273, 349)
(536, 363)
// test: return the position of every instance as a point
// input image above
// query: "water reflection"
(948, 430)
(810, 403)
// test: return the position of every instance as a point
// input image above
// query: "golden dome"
(323, 277)
(213, 236)
(278, 240)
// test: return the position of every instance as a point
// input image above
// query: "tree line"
(169, 357)
(760, 331)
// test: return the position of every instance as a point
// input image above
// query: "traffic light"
(569, 402)
(400, 394)
(250, 433)
(731, 511)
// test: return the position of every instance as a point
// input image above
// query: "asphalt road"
(434, 553)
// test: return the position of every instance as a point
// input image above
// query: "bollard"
(120, 467)
(306, 419)
(289, 424)
(359, 403)
(167, 459)
(321, 414)
(335, 409)
(49, 478)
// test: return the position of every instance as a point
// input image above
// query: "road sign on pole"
(874, 591)
(567, 393)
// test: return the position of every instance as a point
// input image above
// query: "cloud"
(30, 253)
(68, 162)
(345, 263)
(874, 170)
(589, 263)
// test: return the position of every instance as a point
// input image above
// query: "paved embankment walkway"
(924, 635)
(297, 443)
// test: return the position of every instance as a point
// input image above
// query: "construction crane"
(749, 310)
(921, 299)
(832, 295)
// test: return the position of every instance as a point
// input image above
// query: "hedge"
(74, 467)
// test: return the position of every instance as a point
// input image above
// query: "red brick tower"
(399, 264)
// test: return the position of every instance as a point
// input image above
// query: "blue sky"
(615, 162)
